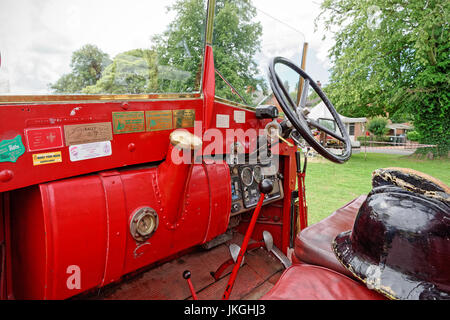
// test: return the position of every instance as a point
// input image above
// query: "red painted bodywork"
(77, 213)
(83, 221)
(148, 146)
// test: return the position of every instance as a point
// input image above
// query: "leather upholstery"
(313, 244)
(308, 282)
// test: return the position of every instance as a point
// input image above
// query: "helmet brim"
(381, 278)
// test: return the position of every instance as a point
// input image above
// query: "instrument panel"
(244, 186)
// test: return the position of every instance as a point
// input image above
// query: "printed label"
(46, 158)
(128, 122)
(87, 133)
(158, 120)
(11, 150)
(239, 116)
(44, 138)
(90, 150)
(183, 118)
(222, 121)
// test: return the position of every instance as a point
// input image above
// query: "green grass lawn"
(329, 186)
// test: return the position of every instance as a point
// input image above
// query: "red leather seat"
(308, 282)
(313, 244)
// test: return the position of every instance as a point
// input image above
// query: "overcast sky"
(37, 37)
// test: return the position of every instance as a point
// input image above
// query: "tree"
(174, 63)
(237, 38)
(377, 126)
(412, 135)
(131, 72)
(236, 41)
(392, 56)
(181, 46)
(68, 83)
(87, 65)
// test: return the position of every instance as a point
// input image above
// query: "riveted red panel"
(32, 124)
(220, 200)
(28, 244)
(193, 221)
(83, 222)
(54, 234)
(116, 221)
(76, 228)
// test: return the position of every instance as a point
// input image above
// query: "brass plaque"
(128, 122)
(157, 120)
(183, 118)
(87, 133)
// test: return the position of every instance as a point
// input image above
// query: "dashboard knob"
(186, 274)
(266, 186)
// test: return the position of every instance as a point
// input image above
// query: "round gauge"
(143, 224)
(257, 174)
(247, 176)
(146, 225)
(235, 170)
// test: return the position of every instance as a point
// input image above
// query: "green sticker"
(11, 150)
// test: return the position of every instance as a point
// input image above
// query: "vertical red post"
(209, 82)
(2, 252)
(302, 201)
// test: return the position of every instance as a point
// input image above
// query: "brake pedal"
(268, 240)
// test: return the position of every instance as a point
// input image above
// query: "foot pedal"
(268, 240)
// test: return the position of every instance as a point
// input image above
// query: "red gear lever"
(187, 276)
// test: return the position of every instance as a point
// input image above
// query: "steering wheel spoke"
(286, 94)
(317, 125)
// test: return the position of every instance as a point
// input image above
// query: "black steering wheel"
(296, 114)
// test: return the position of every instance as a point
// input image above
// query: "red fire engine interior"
(61, 208)
(90, 185)
(88, 215)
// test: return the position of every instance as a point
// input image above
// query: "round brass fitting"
(144, 223)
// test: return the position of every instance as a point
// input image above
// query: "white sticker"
(239, 116)
(90, 150)
(223, 121)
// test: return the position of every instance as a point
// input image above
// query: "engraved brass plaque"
(183, 118)
(128, 122)
(87, 133)
(157, 120)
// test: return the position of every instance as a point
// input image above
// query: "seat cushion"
(313, 244)
(308, 282)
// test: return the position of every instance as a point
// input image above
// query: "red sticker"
(44, 138)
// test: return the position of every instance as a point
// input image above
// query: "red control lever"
(265, 187)
(187, 276)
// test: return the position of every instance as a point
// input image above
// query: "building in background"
(355, 126)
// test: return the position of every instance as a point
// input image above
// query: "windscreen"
(104, 47)
(248, 34)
